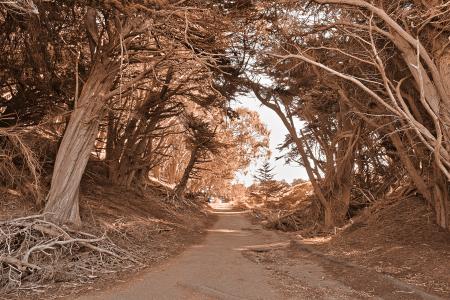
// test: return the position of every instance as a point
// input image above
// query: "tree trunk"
(328, 219)
(110, 144)
(409, 166)
(339, 173)
(181, 187)
(76, 146)
(300, 147)
(441, 198)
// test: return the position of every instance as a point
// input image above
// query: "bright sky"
(277, 135)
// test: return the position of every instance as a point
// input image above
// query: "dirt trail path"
(222, 268)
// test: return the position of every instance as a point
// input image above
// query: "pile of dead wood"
(295, 210)
(304, 215)
(35, 252)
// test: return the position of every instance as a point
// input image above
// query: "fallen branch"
(34, 246)
(21, 265)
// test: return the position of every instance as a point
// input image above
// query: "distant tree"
(245, 139)
(264, 173)
(268, 187)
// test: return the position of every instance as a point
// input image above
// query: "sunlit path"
(215, 269)
(222, 268)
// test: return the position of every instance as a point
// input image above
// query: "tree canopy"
(145, 88)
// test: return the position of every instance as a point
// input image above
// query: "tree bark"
(76, 146)
(441, 195)
(181, 187)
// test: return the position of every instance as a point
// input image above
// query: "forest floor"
(241, 260)
(144, 224)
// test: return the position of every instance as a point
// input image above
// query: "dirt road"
(226, 266)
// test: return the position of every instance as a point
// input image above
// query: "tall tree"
(201, 140)
(122, 56)
(330, 52)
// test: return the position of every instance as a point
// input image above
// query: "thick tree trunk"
(410, 168)
(76, 146)
(328, 215)
(441, 197)
(181, 187)
(339, 174)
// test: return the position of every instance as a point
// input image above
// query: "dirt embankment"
(398, 239)
(144, 224)
(395, 238)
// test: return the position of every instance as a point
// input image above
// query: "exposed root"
(34, 251)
